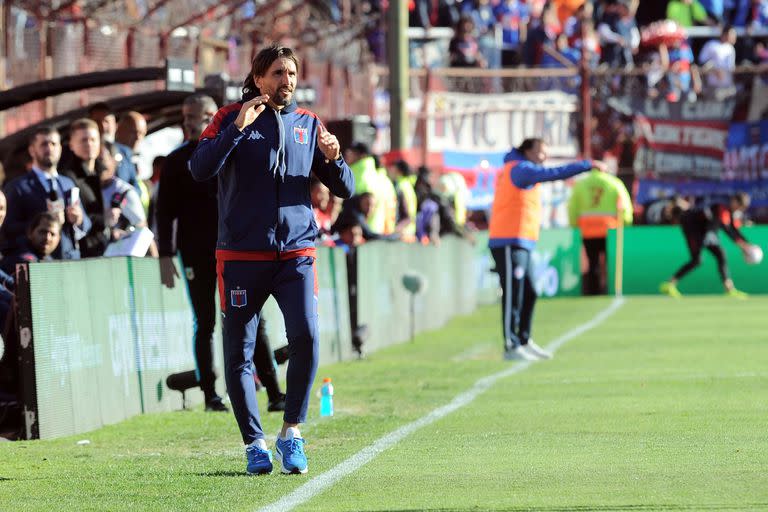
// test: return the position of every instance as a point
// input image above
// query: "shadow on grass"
(226, 473)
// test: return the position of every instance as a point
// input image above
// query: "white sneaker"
(518, 353)
(535, 350)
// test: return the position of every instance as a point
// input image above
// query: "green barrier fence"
(99, 337)
(384, 304)
(653, 253)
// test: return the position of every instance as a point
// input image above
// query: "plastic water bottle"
(326, 398)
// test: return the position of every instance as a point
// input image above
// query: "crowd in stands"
(554, 33)
(391, 202)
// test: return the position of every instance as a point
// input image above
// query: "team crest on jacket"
(301, 135)
(238, 298)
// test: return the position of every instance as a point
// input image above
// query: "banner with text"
(680, 139)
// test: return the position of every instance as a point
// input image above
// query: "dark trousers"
(595, 249)
(515, 268)
(201, 285)
(244, 287)
(699, 237)
(264, 362)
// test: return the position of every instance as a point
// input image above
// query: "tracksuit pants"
(515, 268)
(244, 287)
(201, 285)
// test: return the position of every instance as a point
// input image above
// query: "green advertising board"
(652, 254)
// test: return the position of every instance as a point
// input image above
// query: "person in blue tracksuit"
(263, 149)
(513, 232)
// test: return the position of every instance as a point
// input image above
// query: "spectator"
(482, 14)
(543, 29)
(463, 50)
(7, 281)
(363, 166)
(759, 14)
(41, 240)
(382, 220)
(619, 35)
(83, 166)
(322, 208)
(123, 210)
(714, 10)
(598, 203)
(349, 232)
(43, 189)
(687, 13)
(683, 75)
(718, 58)
(131, 130)
(419, 13)
(105, 118)
(513, 17)
(407, 203)
(360, 207)
(428, 215)
(447, 13)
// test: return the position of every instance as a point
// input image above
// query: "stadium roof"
(169, 14)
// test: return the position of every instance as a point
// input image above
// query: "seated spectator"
(718, 58)
(123, 210)
(360, 207)
(349, 232)
(83, 166)
(464, 51)
(41, 240)
(44, 189)
(687, 13)
(321, 201)
(7, 280)
(106, 121)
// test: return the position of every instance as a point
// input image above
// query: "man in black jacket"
(192, 207)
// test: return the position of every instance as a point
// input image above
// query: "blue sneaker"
(290, 452)
(259, 458)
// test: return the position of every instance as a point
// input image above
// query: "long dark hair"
(261, 64)
(529, 143)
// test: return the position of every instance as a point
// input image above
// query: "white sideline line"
(321, 482)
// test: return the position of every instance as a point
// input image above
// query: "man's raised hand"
(250, 110)
(328, 144)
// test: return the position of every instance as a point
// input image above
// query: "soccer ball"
(753, 254)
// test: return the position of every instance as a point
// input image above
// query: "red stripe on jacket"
(212, 130)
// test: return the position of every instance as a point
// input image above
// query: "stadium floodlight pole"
(397, 58)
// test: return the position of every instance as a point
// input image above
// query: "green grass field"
(664, 406)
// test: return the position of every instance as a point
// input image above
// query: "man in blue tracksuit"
(263, 149)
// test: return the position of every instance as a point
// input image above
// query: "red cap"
(327, 379)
